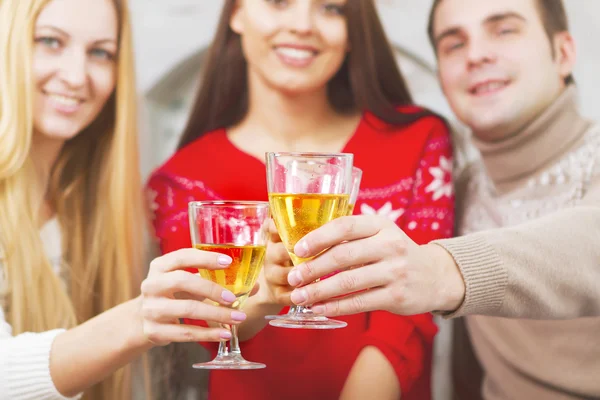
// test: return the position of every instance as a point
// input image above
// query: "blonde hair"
(95, 189)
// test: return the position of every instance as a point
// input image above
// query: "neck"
(544, 140)
(285, 116)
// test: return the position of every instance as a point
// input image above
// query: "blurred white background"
(171, 36)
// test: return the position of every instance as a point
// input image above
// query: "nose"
(301, 19)
(73, 68)
(480, 52)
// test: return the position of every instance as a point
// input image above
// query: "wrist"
(451, 284)
(135, 338)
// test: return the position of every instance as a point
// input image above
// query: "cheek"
(335, 37)
(103, 82)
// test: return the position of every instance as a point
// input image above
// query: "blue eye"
(102, 54)
(49, 42)
(278, 3)
(335, 9)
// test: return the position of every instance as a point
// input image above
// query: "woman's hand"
(274, 286)
(170, 293)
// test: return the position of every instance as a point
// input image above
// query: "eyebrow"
(63, 33)
(454, 30)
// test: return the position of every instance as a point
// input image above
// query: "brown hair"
(368, 80)
(552, 13)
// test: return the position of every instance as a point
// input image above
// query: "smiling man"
(505, 68)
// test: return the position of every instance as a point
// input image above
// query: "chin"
(59, 131)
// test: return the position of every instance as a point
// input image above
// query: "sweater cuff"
(25, 366)
(484, 275)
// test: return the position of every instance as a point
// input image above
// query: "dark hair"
(368, 80)
(552, 13)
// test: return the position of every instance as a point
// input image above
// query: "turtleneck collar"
(545, 139)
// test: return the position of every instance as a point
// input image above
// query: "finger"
(342, 284)
(273, 232)
(370, 300)
(166, 310)
(277, 254)
(182, 281)
(337, 231)
(183, 258)
(163, 334)
(255, 289)
(277, 275)
(340, 257)
(282, 295)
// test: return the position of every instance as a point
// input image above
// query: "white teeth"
(64, 100)
(489, 87)
(298, 54)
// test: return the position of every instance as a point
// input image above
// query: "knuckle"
(357, 304)
(155, 264)
(187, 334)
(309, 270)
(189, 308)
(348, 226)
(397, 245)
(152, 333)
(340, 256)
(146, 286)
(348, 282)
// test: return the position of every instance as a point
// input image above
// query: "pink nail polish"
(228, 296)
(238, 316)
(225, 335)
(223, 259)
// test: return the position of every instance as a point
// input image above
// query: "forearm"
(85, 355)
(256, 310)
(372, 377)
(548, 268)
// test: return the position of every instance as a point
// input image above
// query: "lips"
(488, 87)
(295, 55)
(63, 103)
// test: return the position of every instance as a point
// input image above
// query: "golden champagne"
(298, 214)
(350, 209)
(240, 277)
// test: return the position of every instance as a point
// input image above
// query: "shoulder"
(200, 152)
(424, 125)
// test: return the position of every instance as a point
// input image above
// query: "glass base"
(229, 361)
(306, 320)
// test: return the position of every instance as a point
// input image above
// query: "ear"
(236, 22)
(565, 53)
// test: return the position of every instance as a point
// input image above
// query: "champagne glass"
(238, 229)
(356, 179)
(306, 191)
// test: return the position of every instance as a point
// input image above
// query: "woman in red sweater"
(313, 75)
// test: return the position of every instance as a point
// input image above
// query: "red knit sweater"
(406, 177)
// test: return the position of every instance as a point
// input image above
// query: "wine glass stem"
(234, 343)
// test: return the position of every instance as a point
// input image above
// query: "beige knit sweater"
(542, 189)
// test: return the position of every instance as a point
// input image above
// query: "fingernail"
(301, 249)
(224, 260)
(228, 296)
(294, 278)
(238, 316)
(299, 296)
(318, 309)
(225, 335)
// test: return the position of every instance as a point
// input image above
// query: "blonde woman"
(70, 211)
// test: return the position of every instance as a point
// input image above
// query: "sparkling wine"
(241, 275)
(298, 214)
